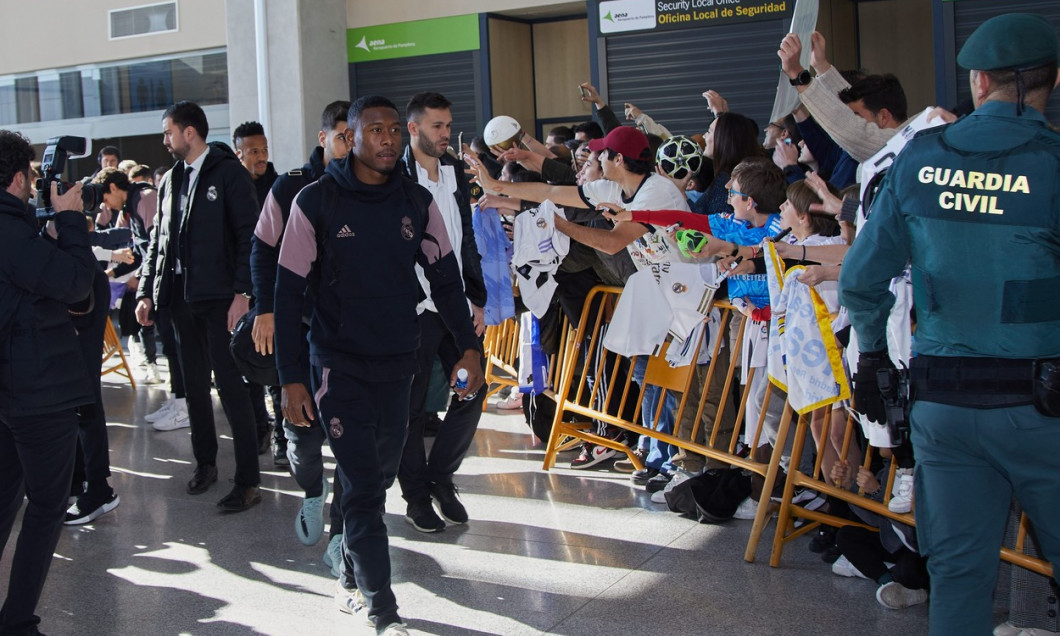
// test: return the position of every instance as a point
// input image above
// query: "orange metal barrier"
(583, 358)
(501, 346)
(111, 348)
(786, 530)
(596, 384)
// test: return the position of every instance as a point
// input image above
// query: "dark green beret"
(1010, 41)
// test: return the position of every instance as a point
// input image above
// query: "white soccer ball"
(502, 132)
(679, 157)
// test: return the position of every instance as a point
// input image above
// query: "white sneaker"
(1007, 629)
(680, 475)
(175, 419)
(151, 373)
(351, 602)
(896, 596)
(1037, 631)
(395, 629)
(902, 500)
(136, 352)
(747, 510)
(512, 403)
(843, 567)
(162, 411)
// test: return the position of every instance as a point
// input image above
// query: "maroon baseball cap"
(627, 141)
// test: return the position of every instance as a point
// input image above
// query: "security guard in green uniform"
(974, 207)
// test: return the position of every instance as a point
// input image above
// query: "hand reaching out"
(715, 102)
(830, 204)
(818, 58)
(614, 212)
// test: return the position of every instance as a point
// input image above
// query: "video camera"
(53, 164)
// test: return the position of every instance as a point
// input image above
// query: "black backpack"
(711, 497)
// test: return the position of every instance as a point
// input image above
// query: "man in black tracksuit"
(363, 227)
(303, 450)
(252, 148)
(424, 476)
(43, 378)
(199, 266)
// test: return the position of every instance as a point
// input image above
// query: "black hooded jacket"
(41, 367)
(275, 209)
(214, 237)
(264, 183)
(364, 240)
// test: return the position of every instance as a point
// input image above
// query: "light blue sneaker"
(309, 524)
(333, 556)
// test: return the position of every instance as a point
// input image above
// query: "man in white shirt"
(425, 478)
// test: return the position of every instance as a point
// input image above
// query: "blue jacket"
(41, 367)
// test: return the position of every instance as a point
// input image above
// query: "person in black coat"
(198, 265)
(42, 376)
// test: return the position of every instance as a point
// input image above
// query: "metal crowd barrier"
(501, 346)
(595, 386)
(112, 348)
(786, 530)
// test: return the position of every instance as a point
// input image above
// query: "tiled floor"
(558, 552)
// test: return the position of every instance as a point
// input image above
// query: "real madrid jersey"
(654, 248)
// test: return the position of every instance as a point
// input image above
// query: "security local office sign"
(408, 39)
(619, 16)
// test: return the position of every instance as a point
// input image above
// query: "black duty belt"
(972, 382)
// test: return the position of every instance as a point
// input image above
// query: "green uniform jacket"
(974, 208)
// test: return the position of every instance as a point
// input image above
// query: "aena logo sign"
(626, 15)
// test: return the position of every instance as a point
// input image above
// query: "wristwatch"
(802, 79)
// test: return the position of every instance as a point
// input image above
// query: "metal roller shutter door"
(451, 74)
(665, 72)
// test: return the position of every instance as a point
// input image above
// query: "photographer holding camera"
(42, 376)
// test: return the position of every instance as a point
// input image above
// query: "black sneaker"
(421, 515)
(642, 476)
(658, 482)
(448, 504)
(89, 508)
(824, 539)
(831, 554)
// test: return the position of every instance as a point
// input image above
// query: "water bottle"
(461, 380)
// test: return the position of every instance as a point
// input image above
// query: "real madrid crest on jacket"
(365, 325)
(203, 234)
